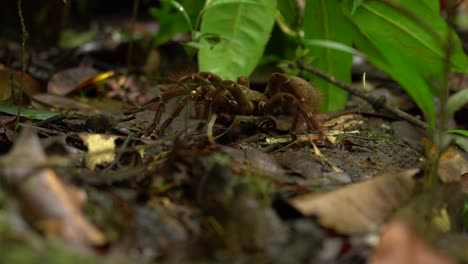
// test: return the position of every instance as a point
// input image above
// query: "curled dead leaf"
(362, 207)
(9, 78)
(45, 201)
(452, 165)
(66, 81)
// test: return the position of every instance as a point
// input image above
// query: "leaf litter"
(241, 189)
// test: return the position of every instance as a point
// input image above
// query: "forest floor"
(89, 175)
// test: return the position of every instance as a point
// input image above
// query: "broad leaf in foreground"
(244, 27)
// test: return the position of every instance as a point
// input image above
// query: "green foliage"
(175, 17)
(410, 38)
(70, 39)
(170, 23)
(417, 31)
(290, 16)
(356, 4)
(7, 106)
(459, 131)
(245, 26)
(458, 137)
(406, 38)
(324, 20)
(457, 101)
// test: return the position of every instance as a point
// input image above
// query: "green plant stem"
(434, 152)
(24, 33)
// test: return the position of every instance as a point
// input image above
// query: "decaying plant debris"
(225, 188)
(105, 161)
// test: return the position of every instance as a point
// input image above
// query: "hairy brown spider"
(284, 94)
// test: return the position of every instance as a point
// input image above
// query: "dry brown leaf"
(452, 165)
(66, 81)
(464, 182)
(48, 101)
(362, 207)
(44, 199)
(7, 76)
(401, 243)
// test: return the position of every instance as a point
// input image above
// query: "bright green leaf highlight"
(333, 45)
(180, 9)
(356, 4)
(245, 27)
(458, 131)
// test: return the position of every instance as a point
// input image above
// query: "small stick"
(25, 35)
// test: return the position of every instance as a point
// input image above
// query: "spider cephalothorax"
(211, 94)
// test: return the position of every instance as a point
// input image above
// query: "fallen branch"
(377, 103)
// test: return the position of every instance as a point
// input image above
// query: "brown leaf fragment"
(11, 79)
(46, 202)
(52, 101)
(362, 207)
(464, 182)
(401, 243)
(66, 81)
(453, 164)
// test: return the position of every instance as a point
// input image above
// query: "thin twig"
(136, 5)
(120, 152)
(377, 103)
(24, 33)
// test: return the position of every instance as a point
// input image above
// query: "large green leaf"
(390, 62)
(245, 27)
(434, 5)
(324, 20)
(411, 36)
(415, 30)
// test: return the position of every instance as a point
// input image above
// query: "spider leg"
(204, 88)
(180, 106)
(160, 101)
(157, 116)
(309, 116)
(209, 97)
(279, 100)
